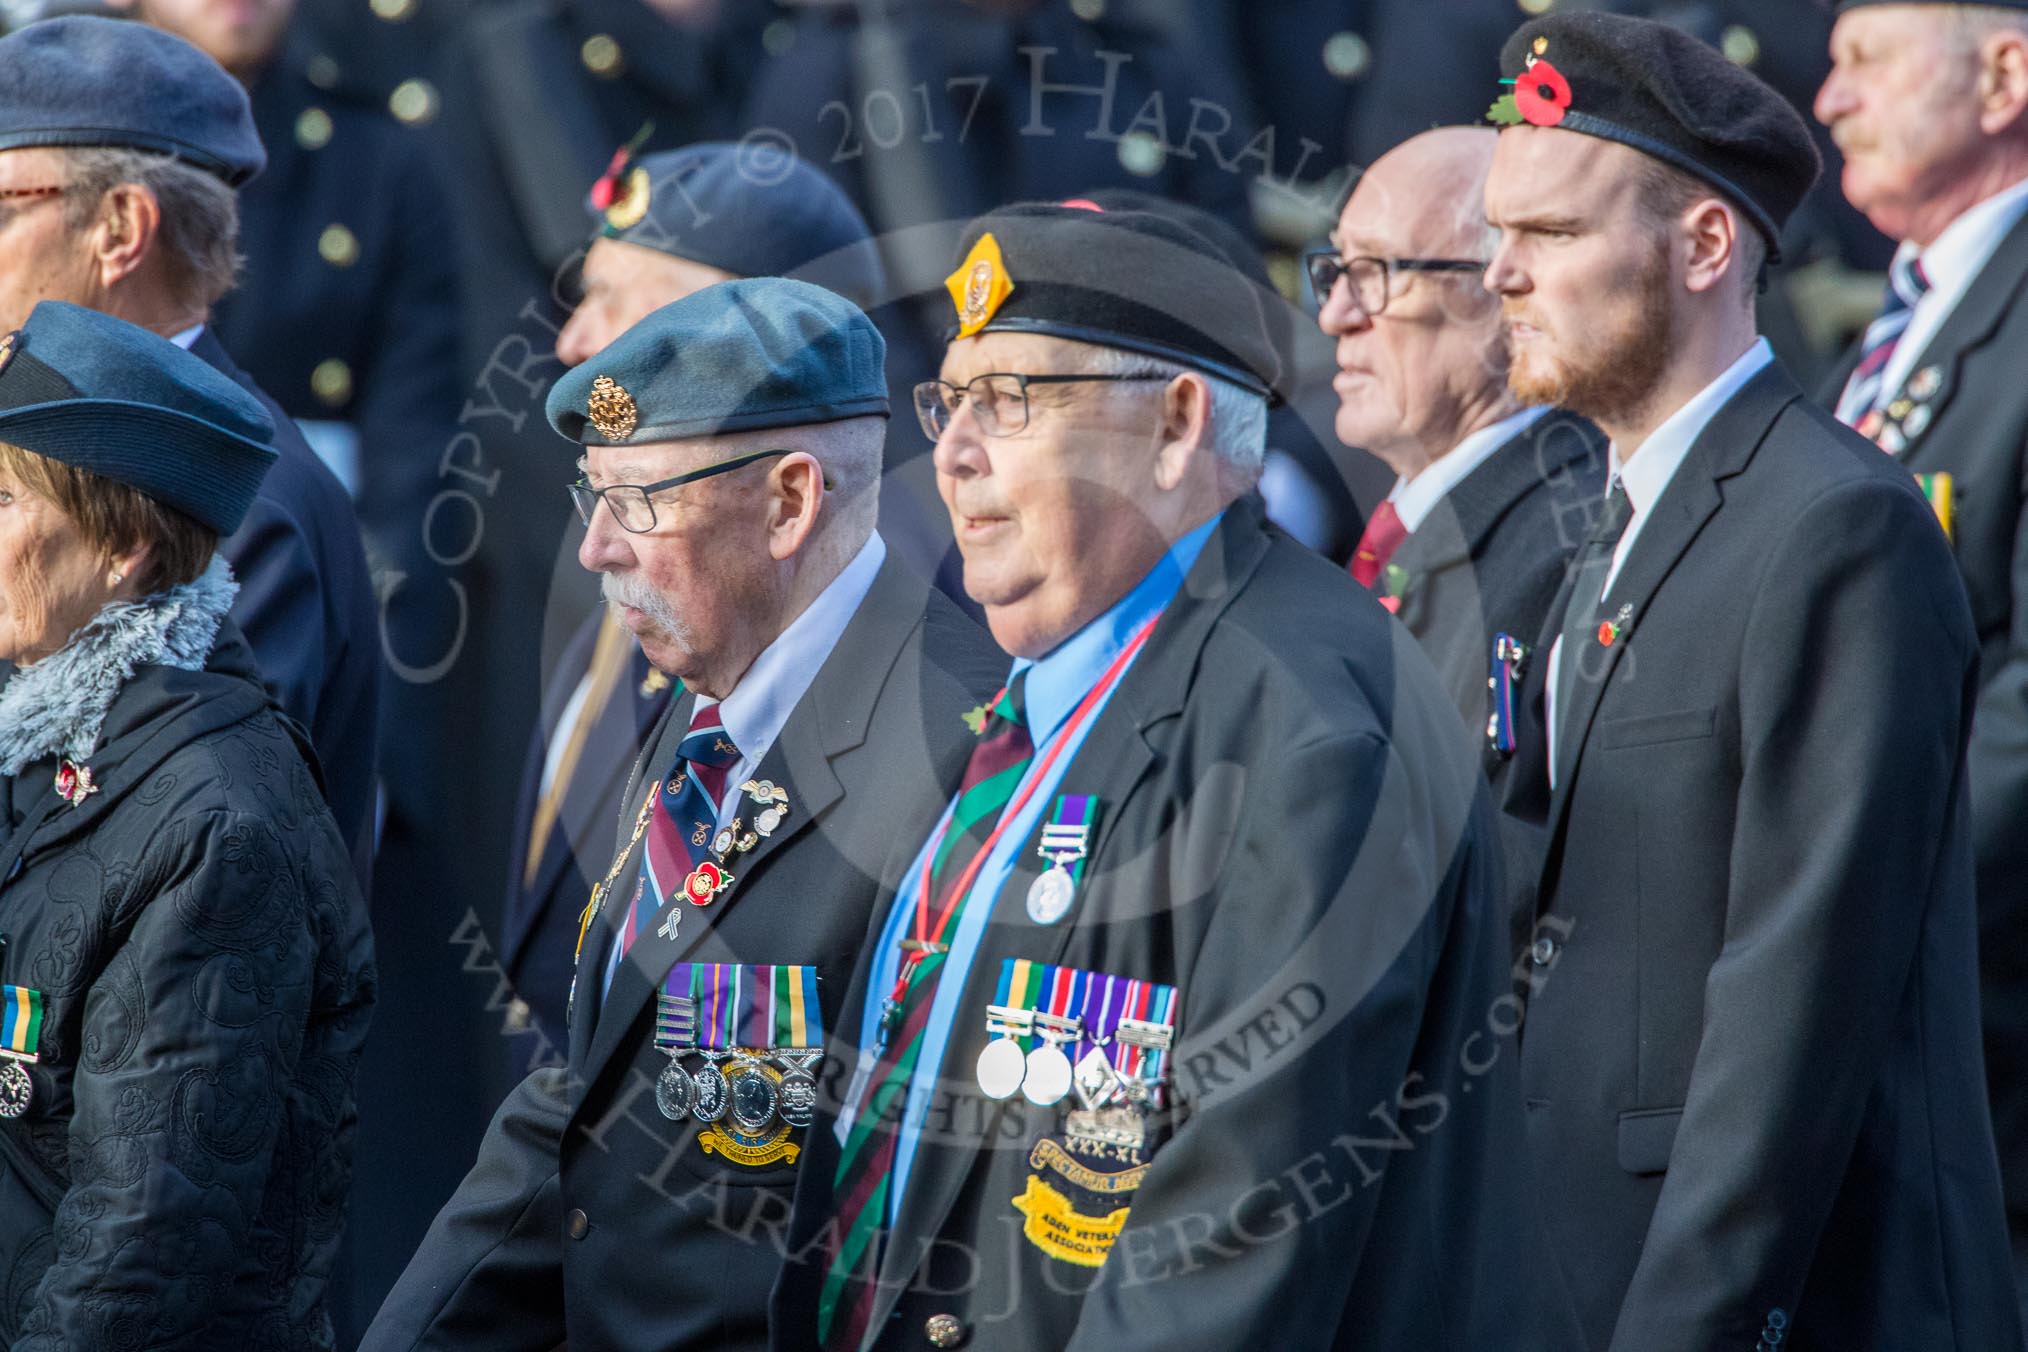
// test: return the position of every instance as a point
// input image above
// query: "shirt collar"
(1414, 499)
(187, 337)
(1058, 680)
(1654, 465)
(1954, 256)
(758, 707)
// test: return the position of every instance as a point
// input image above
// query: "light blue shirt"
(1056, 684)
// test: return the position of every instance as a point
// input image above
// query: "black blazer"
(539, 923)
(1490, 556)
(306, 607)
(589, 1216)
(1294, 833)
(1752, 1053)
(1977, 430)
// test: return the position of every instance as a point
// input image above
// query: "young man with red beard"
(1751, 1055)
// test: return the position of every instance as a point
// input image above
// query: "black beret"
(86, 81)
(102, 395)
(1663, 92)
(1142, 281)
(742, 355)
(750, 210)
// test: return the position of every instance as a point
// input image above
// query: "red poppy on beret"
(1542, 94)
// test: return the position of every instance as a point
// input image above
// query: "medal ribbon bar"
(20, 1023)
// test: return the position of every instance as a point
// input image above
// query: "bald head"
(1431, 187)
(1424, 365)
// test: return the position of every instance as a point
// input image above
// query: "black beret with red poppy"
(1668, 95)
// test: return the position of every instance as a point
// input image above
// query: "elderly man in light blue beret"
(729, 472)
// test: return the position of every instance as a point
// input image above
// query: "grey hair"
(199, 231)
(1238, 420)
(1971, 25)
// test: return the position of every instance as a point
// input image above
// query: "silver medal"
(1001, 1068)
(753, 1097)
(1097, 1083)
(1050, 895)
(798, 1105)
(675, 1091)
(711, 1090)
(1047, 1076)
(16, 1088)
(769, 819)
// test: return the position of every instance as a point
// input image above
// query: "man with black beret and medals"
(730, 474)
(1751, 1052)
(1929, 105)
(1175, 1032)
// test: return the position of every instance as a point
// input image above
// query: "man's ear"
(1711, 243)
(1186, 428)
(2003, 82)
(124, 230)
(796, 488)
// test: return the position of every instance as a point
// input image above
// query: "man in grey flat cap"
(731, 465)
(120, 148)
(1929, 105)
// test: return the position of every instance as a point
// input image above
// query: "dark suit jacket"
(1978, 432)
(539, 925)
(591, 1217)
(1490, 556)
(306, 607)
(1752, 1054)
(1295, 835)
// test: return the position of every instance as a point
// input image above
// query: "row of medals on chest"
(752, 1095)
(1112, 1103)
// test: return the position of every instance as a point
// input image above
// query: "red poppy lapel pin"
(74, 782)
(1540, 97)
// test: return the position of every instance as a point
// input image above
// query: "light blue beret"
(742, 355)
(102, 395)
(81, 80)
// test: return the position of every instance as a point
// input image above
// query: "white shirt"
(1414, 499)
(1645, 476)
(187, 337)
(1952, 263)
(774, 685)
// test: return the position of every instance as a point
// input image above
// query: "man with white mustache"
(1929, 105)
(730, 479)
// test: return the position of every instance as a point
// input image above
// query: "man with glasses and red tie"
(1491, 498)
(732, 445)
(1174, 1033)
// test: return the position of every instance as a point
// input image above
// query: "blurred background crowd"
(411, 256)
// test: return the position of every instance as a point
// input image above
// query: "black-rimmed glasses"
(998, 399)
(1370, 276)
(633, 505)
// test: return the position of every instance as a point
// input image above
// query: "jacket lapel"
(1113, 760)
(829, 722)
(1721, 450)
(1972, 324)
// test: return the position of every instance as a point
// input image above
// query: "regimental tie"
(680, 827)
(1580, 613)
(1907, 283)
(866, 1164)
(1383, 535)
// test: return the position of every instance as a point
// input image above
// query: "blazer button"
(1544, 951)
(577, 1224)
(944, 1330)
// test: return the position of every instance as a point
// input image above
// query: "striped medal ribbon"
(20, 1042)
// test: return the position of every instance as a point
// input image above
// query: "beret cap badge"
(612, 409)
(8, 343)
(980, 286)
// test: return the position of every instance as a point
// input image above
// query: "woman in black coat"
(187, 972)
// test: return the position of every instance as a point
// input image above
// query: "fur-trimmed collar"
(57, 706)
